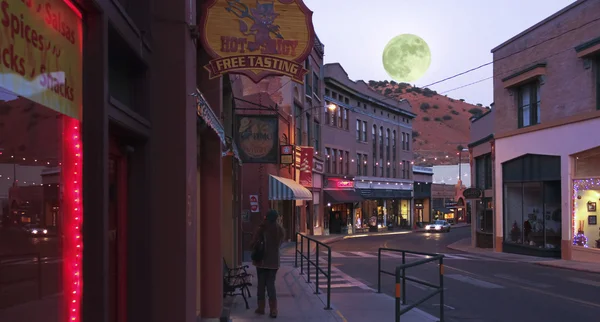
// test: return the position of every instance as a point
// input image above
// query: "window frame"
(534, 103)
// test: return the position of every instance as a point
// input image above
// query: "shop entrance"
(117, 223)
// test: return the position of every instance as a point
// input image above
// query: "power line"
(515, 53)
(466, 85)
(510, 71)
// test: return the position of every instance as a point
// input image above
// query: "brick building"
(298, 107)
(367, 141)
(481, 158)
(547, 101)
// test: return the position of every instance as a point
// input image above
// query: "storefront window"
(532, 214)
(40, 165)
(586, 195)
(38, 181)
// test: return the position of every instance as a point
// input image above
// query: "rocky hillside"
(442, 124)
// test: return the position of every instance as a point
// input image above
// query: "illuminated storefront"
(41, 156)
(586, 197)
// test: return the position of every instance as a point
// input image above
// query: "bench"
(236, 281)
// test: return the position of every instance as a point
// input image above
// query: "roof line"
(539, 24)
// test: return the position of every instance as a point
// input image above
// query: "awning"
(287, 189)
(209, 117)
(342, 196)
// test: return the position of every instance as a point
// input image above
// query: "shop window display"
(586, 196)
(40, 214)
(532, 214)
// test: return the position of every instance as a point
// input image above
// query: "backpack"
(258, 251)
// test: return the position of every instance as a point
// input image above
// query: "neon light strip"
(72, 6)
(73, 217)
(72, 206)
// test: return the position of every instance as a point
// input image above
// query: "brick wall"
(568, 87)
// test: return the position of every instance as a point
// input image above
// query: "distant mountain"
(442, 124)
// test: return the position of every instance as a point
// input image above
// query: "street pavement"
(477, 288)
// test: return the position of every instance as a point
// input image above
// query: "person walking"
(266, 257)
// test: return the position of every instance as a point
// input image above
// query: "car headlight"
(34, 231)
(45, 231)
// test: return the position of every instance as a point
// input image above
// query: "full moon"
(406, 58)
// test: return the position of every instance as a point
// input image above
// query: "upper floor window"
(316, 89)
(307, 79)
(394, 148)
(339, 117)
(328, 114)
(364, 131)
(407, 142)
(347, 101)
(298, 138)
(528, 104)
(387, 143)
(364, 164)
(334, 161)
(403, 141)
(375, 164)
(374, 137)
(347, 159)
(483, 171)
(340, 159)
(381, 142)
(327, 92)
(358, 164)
(317, 137)
(358, 129)
(346, 119)
(327, 160)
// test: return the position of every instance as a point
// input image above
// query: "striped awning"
(287, 189)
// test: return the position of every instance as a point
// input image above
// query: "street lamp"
(331, 107)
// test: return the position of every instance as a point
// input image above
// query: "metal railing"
(31, 256)
(401, 278)
(319, 268)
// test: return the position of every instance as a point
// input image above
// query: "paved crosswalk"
(390, 255)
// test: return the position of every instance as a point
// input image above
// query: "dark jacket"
(273, 234)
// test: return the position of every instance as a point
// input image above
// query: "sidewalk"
(464, 245)
(297, 302)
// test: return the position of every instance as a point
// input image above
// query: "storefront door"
(117, 219)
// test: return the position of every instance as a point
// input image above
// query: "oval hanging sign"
(472, 193)
(257, 38)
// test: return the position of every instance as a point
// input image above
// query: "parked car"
(438, 225)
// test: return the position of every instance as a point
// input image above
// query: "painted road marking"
(473, 281)
(584, 281)
(364, 255)
(522, 281)
(339, 279)
(534, 290)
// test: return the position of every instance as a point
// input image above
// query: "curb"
(546, 264)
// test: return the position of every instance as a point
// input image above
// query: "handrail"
(401, 278)
(314, 263)
(38, 257)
